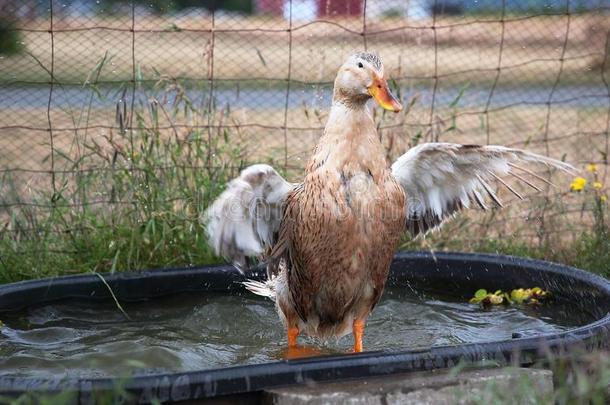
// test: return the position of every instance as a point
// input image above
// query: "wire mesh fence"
(100, 98)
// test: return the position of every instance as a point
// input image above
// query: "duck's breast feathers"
(341, 231)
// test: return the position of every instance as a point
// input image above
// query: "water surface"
(196, 332)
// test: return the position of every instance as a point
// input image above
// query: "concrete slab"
(517, 385)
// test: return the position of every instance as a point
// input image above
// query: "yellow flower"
(578, 184)
(592, 167)
(597, 185)
(603, 198)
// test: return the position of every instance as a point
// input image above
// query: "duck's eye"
(360, 65)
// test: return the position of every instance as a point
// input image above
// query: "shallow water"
(191, 332)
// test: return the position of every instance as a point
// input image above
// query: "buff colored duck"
(328, 241)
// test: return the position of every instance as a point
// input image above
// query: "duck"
(328, 241)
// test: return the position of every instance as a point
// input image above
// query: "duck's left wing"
(244, 221)
(439, 179)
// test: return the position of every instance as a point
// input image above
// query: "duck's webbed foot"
(294, 351)
(299, 352)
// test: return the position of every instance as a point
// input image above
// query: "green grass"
(587, 249)
(10, 39)
(590, 252)
(153, 222)
(132, 200)
(151, 197)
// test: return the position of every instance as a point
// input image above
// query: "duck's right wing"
(244, 221)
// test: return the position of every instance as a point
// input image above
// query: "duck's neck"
(350, 137)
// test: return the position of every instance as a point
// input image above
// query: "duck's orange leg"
(358, 329)
(293, 333)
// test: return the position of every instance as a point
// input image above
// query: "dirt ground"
(525, 49)
(260, 132)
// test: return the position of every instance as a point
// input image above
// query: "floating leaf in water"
(529, 295)
(483, 297)
(518, 296)
(482, 293)
(495, 299)
(538, 293)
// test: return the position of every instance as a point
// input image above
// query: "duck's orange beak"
(381, 93)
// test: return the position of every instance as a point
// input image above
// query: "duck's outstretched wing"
(439, 179)
(244, 221)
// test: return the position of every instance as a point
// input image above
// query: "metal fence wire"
(244, 81)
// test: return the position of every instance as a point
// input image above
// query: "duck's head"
(360, 78)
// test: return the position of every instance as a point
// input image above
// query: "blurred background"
(120, 120)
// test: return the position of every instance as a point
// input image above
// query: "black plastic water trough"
(459, 272)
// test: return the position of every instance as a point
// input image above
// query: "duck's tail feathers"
(263, 288)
